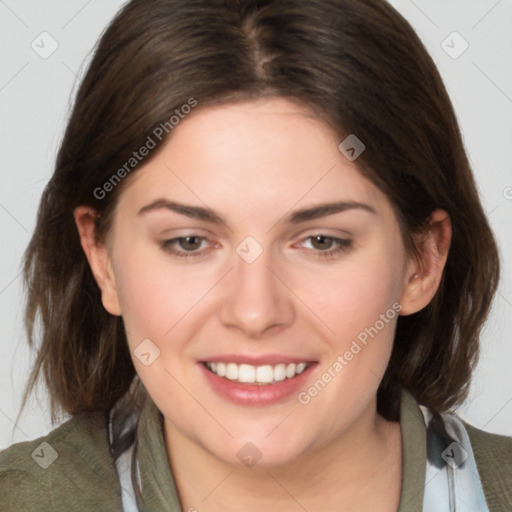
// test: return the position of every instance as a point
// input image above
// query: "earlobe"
(423, 275)
(98, 257)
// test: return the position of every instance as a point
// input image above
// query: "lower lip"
(254, 394)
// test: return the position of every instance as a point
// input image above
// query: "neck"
(360, 469)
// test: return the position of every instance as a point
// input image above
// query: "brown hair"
(359, 66)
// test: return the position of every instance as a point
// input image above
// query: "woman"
(273, 268)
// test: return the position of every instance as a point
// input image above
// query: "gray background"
(35, 95)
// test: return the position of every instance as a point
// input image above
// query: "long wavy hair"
(361, 68)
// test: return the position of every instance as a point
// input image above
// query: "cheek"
(354, 295)
(154, 294)
(359, 305)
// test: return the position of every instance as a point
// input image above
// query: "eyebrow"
(296, 217)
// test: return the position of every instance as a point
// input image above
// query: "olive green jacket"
(71, 469)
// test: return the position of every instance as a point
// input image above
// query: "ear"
(98, 258)
(423, 274)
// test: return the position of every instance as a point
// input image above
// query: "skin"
(253, 163)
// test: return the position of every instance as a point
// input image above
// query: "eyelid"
(325, 231)
(182, 232)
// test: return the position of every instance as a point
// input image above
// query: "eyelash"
(343, 245)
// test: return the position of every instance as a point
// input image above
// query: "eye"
(192, 245)
(189, 245)
(326, 246)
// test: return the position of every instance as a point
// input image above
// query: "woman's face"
(221, 252)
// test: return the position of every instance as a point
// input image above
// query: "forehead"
(265, 155)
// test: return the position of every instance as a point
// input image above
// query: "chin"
(257, 451)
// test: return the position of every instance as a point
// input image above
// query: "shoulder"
(69, 469)
(493, 455)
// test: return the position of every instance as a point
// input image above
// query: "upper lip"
(271, 359)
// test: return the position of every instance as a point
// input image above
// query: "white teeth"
(279, 372)
(220, 370)
(300, 368)
(265, 374)
(232, 371)
(290, 370)
(249, 374)
(246, 373)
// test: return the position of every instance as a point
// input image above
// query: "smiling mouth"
(257, 375)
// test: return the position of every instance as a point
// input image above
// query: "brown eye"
(322, 242)
(190, 243)
(327, 246)
(184, 246)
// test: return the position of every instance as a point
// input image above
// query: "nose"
(257, 302)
